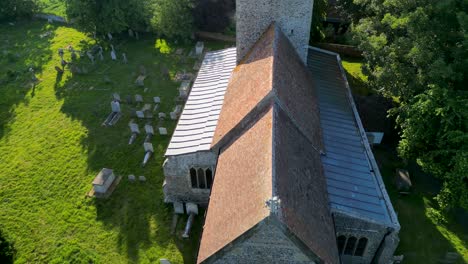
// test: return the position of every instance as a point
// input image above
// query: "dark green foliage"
(7, 252)
(169, 18)
(104, 16)
(173, 19)
(214, 16)
(318, 16)
(416, 53)
(11, 9)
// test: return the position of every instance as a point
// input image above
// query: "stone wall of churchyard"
(177, 184)
(375, 233)
(267, 244)
(253, 18)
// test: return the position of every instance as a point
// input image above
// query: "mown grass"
(423, 238)
(52, 145)
(357, 80)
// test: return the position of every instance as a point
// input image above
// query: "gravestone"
(142, 178)
(113, 55)
(162, 131)
(140, 114)
(140, 81)
(115, 105)
(124, 58)
(148, 147)
(179, 51)
(134, 128)
(178, 109)
(402, 180)
(173, 115)
(109, 35)
(161, 115)
(184, 89)
(149, 129)
(131, 177)
(138, 98)
(157, 100)
(178, 207)
(130, 33)
(116, 97)
(199, 48)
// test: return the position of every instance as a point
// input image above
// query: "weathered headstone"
(134, 128)
(162, 115)
(157, 100)
(149, 129)
(138, 98)
(116, 96)
(109, 35)
(173, 115)
(131, 177)
(184, 89)
(115, 105)
(178, 109)
(113, 55)
(162, 131)
(142, 178)
(140, 114)
(146, 107)
(402, 180)
(199, 48)
(148, 152)
(124, 58)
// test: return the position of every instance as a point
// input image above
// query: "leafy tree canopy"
(11, 9)
(416, 52)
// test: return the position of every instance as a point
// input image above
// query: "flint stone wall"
(253, 18)
(177, 185)
(375, 233)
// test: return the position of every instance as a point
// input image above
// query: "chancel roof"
(269, 164)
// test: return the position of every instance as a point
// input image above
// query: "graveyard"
(55, 138)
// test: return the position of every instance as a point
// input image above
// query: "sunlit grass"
(52, 145)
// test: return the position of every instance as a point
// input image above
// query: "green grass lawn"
(357, 80)
(423, 238)
(52, 145)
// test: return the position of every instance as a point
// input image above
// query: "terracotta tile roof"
(250, 82)
(269, 139)
(242, 184)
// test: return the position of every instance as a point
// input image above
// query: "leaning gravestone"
(173, 115)
(149, 129)
(162, 131)
(138, 98)
(124, 58)
(199, 48)
(140, 114)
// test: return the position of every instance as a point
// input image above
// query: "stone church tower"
(294, 17)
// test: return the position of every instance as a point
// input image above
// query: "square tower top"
(294, 17)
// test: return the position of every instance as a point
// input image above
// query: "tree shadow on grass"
(21, 48)
(135, 209)
(420, 238)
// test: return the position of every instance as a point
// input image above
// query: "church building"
(270, 141)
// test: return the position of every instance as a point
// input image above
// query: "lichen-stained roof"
(271, 150)
(354, 185)
(197, 123)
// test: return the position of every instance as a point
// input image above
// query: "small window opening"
(193, 178)
(209, 178)
(361, 247)
(349, 249)
(201, 178)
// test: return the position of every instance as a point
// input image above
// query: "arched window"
(341, 240)
(209, 178)
(193, 178)
(361, 247)
(201, 178)
(349, 249)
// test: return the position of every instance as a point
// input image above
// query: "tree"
(416, 53)
(11, 9)
(319, 14)
(173, 19)
(115, 16)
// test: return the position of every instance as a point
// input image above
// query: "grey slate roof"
(354, 184)
(197, 123)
